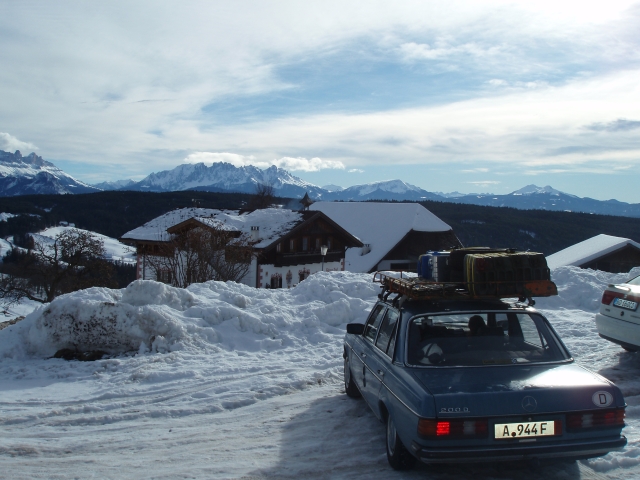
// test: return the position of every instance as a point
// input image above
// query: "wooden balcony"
(289, 259)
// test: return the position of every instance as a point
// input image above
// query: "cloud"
(134, 98)
(307, 165)
(484, 182)
(412, 51)
(496, 82)
(298, 164)
(620, 125)
(9, 143)
(355, 170)
(476, 170)
(234, 159)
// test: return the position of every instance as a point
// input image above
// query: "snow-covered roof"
(380, 225)
(588, 250)
(272, 223)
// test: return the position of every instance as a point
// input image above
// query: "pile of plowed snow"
(149, 316)
(187, 359)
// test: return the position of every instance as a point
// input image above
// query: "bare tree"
(263, 197)
(72, 261)
(201, 254)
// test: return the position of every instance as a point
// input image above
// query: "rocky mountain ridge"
(33, 175)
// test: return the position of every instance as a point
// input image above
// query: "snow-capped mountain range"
(32, 175)
(224, 177)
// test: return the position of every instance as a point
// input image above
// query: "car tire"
(350, 386)
(398, 456)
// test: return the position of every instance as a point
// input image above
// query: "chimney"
(255, 234)
(366, 249)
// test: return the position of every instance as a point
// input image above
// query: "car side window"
(392, 343)
(530, 331)
(371, 328)
(386, 329)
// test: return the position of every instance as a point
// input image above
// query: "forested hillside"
(109, 213)
(537, 230)
(115, 213)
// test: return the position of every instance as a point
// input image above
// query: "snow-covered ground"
(115, 251)
(225, 381)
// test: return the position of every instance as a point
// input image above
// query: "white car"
(619, 319)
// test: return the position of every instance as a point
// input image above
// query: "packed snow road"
(225, 381)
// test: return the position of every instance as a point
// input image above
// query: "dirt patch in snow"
(11, 322)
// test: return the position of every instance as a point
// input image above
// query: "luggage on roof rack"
(457, 262)
(420, 289)
(475, 273)
(504, 273)
(434, 266)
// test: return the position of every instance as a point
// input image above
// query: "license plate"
(525, 430)
(628, 304)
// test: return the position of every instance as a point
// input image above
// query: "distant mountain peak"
(224, 176)
(531, 189)
(114, 185)
(20, 175)
(333, 188)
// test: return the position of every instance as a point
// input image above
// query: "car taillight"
(453, 428)
(608, 296)
(600, 418)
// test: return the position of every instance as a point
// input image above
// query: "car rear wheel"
(349, 385)
(398, 456)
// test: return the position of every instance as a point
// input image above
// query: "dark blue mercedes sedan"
(466, 380)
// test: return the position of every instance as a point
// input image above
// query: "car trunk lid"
(516, 390)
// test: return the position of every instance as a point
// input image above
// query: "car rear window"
(481, 338)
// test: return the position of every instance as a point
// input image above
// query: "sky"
(467, 96)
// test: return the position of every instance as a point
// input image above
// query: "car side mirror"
(355, 328)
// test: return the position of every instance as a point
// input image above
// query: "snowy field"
(115, 251)
(225, 381)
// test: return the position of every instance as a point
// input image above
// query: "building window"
(292, 245)
(304, 273)
(279, 247)
(276, 280)
(317, 244)
(305, 244)
(164, 276)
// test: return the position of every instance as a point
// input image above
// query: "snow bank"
(148, 316)
(581, 288)
(202, 365)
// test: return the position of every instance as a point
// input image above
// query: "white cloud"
(134, 99)
(307, 165)
(484, 182)
(9, 143)
(411, 51)
(234, 159)
(298, 164)
(356, 170)
(525, 127)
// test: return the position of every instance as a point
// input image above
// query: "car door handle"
(363, 355)
(381, 373)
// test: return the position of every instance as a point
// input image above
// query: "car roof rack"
(417, 288)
